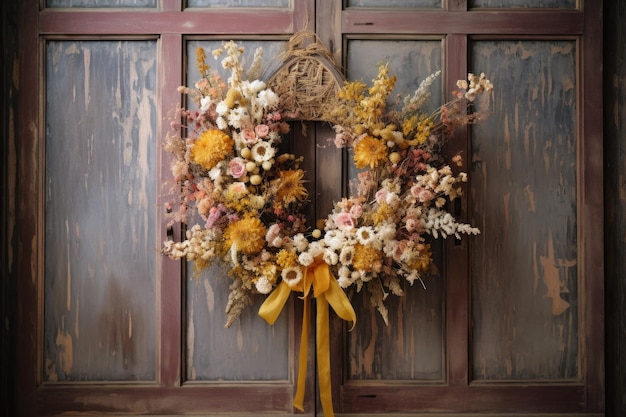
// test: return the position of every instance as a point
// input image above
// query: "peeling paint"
(552, 280)
(65, 351)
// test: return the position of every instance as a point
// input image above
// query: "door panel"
(418, 4)
(525, 301)
(100, 263)
(411, 347)
(94, 4)
(564, 4)
(249, 350)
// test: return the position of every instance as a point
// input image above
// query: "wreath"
(244, 199)
(247, 197)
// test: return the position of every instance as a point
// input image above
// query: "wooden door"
(513, 321)
(109, 325)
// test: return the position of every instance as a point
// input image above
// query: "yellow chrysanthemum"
(366, 258)
(247, 235)
(369, 151)
(211, 147)
(289, 187)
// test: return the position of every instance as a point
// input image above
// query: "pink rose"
(398, 250)
(262, 130)
(237, 167)
(381, 195)
(422, 194)
(344, 221)
(248, 136)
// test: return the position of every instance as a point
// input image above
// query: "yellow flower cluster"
(246, 235)
(211, 147)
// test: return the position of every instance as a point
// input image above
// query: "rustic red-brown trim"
(390, 398)
(453, 22)
(591, 206)
(457, 252)
(169, 284)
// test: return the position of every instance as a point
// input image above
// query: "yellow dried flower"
(421, 262)
(353, 91)
(203, 67)
(232, 97)
(289, 187)
(211, 147)
(366, 258)
(247, 235)
(369, 151)
(286, 259)
(383, 214)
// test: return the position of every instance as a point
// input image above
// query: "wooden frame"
(166, 395)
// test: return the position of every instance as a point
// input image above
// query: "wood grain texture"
(506, 4)
(100, 219)
(411, 347)
(94, 4)
(249, 350)
(525, 290)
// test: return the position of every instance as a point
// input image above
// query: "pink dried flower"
(237, 167)
(344, 221)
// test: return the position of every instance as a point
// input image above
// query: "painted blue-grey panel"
(411, 347)
(417, 4)
(250, 350)
(279, 4)
(100, 250)
(531, 4)
(524, 265)
(97, 4)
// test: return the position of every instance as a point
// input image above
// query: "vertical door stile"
(456, 257)
(169, 291)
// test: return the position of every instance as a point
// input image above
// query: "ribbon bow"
(327, 292)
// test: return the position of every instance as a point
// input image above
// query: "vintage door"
(512, 322)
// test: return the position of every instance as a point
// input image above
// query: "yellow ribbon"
(327, 292)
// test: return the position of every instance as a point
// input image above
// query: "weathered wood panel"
(417, 4)
(615, 203)
(94, 4)
(250, 349)
(411, 347)
(524, 274)
(100, 254)
(529, 4)
(239, 3)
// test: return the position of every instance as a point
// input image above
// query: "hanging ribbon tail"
(323, 357)
(337, 298)
(274, 303)
(298, 401)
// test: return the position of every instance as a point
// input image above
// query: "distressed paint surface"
(524, 285)
(411, 347)
(100, 255)
(250, 350)
(239, 3)
(556, 4)
(94, 4)
(418, 4)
